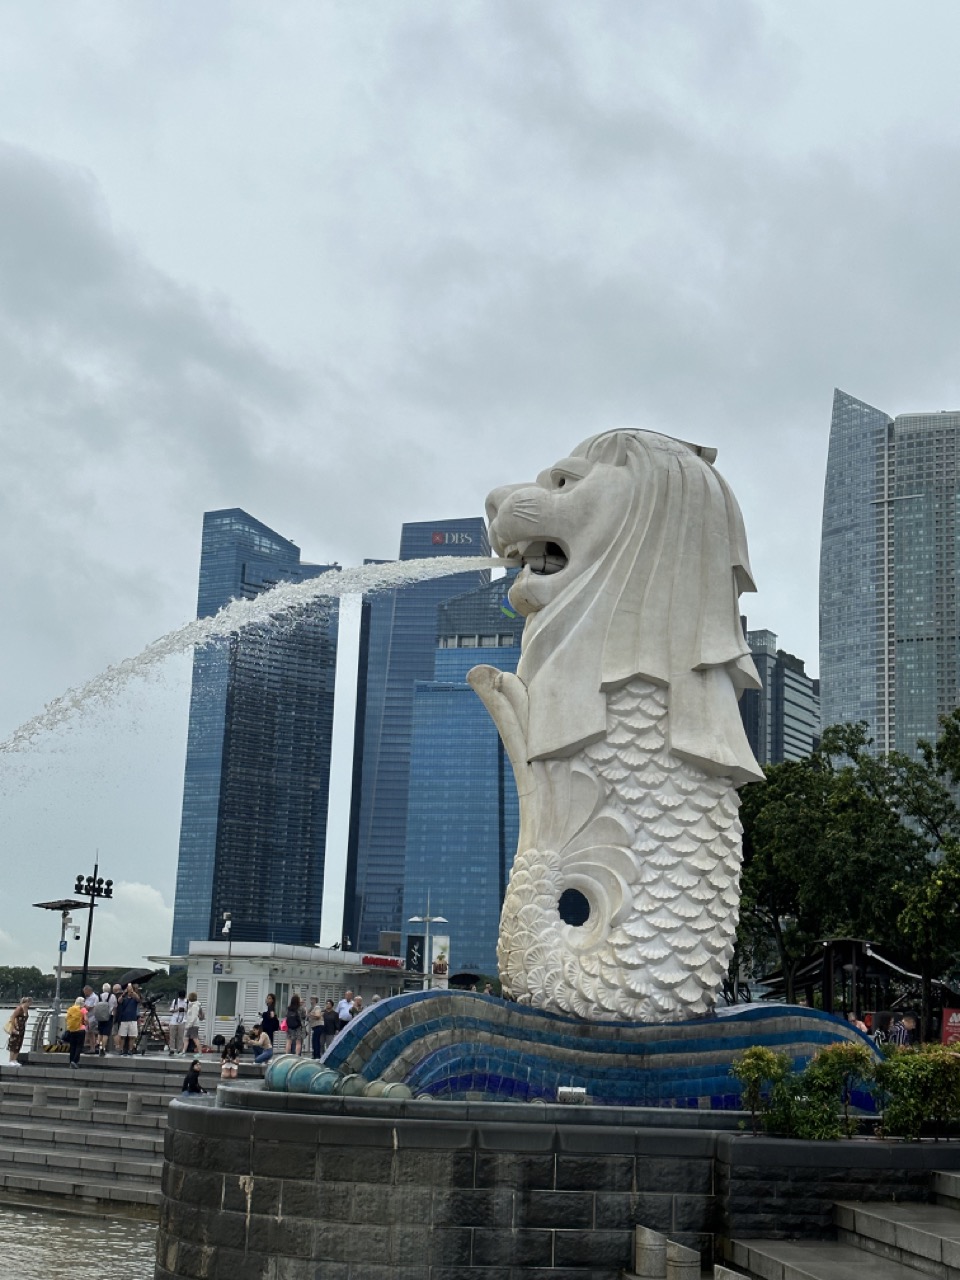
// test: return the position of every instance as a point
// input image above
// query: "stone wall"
(291, 1187)
(777, 1188)
(255, 1195)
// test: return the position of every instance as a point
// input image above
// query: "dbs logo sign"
(451, 539)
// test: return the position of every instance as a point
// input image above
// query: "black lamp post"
(91, 887)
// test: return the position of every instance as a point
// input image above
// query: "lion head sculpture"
(634, 557)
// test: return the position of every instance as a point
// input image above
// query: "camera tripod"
(150, 1028)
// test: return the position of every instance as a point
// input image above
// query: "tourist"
(178, 1010)
(16, 1029)
(357, 1006)
(90, 1000)
(103, 1013)
(345, 1009)
(128, 1007)
(903, 1031)
(191, 1081)
(269, 1022)
(117, 992)
(294, 1028)
(331, 1025)
(228, 1061)
(259, 1041)
(76, 1029)
(315, 1023)
(487, 990)
(857, 1022)
(881, 1028)
(192, 1017)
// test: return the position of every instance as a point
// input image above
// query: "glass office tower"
(888, 572)
(462, 816)
(782, 718)
(256, 782)
(398, 639)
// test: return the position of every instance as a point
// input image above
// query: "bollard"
(650, 1254)
(85, 1099)
(682, 1263)
(134, 1104)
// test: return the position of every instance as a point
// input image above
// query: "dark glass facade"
(781, 719)
(462, 817)
(256, 782)
(398, 637)
(888, 572)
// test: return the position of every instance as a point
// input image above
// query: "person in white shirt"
(175, 1023)
(345, 1009)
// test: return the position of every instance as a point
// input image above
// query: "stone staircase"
(92, 1135)
(876, 1240)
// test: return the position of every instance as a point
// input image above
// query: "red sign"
(437, 539)
(950, 1027)
(382, 962)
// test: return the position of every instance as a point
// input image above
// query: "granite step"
(146, 1122)
(925, 1237)
(93, 1137)
(66, 1184)
(946, 1189)
(812, 1260)
(78, 1164)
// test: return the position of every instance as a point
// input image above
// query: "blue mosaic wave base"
(468, 1046)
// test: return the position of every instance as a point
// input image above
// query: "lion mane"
(661, 602)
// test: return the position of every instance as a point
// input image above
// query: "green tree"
(930, 920)
(835, 844)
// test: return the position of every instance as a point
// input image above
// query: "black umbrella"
(137, 976)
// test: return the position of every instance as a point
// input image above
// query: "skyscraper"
(256, 780)
(398, 639)
(462, 816)
(782, 718)
(888, 572)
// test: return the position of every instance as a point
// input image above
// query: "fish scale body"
(663, 894)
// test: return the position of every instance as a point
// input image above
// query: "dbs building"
(255, 793)
(398, 642)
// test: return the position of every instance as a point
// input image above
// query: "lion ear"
(610, 448)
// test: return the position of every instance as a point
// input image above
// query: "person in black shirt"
(191, 1081)
(269, 1022)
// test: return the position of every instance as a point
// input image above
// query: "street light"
(427, 920)
(91, 887)
(64, 906)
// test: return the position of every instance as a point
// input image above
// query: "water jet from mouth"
(283, 605)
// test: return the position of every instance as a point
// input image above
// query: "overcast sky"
(349, 264)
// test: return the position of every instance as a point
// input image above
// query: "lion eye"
(561, 479)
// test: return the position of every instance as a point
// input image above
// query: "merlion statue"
(623, 729)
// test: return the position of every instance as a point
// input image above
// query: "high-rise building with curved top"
(888, 572)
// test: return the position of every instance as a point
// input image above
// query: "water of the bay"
(37, 1243)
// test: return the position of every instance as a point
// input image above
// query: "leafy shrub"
(920, 1085)
(835, 1072)
(760, 1070)
(814, 1104)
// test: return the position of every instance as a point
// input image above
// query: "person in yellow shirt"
(76, 1030)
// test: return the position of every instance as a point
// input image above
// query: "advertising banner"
(414, 962)
(440, 957)
(950, 1027)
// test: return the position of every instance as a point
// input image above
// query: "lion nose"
(496, 499)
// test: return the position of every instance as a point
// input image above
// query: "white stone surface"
(623, 728)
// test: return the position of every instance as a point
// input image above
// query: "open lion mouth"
(539, 556)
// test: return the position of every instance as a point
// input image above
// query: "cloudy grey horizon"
(349, 266)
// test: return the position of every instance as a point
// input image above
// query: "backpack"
(293, 1022)
(102, 1011)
